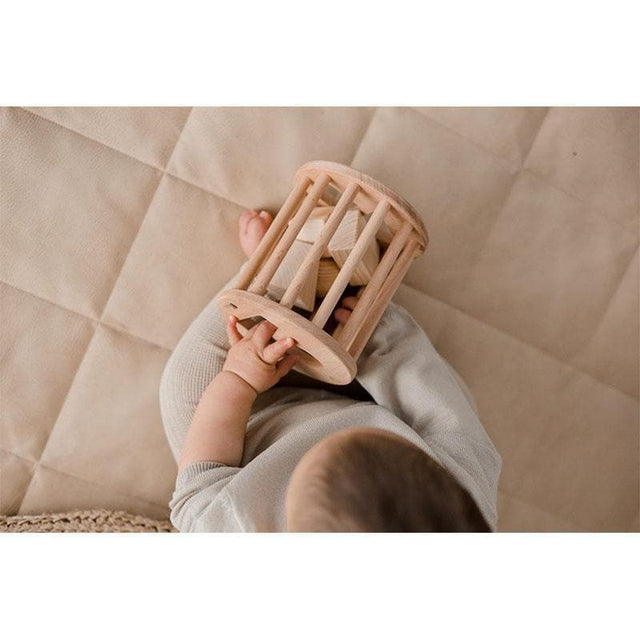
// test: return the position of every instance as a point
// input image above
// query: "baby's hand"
(253, 359)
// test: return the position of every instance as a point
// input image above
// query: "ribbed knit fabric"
(416, 395)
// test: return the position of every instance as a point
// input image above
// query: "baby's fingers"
(286, 364)
(343, 313)
(350, 302)
(263, 334)
(275, 351)
(232, 330)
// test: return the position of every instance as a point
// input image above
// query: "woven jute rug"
(94, 521)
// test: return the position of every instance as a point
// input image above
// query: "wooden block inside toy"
(331, 195)
(386, 232)
(286, 271)
(321, 212)
(327, 272)
(311, 229)
(343, 241)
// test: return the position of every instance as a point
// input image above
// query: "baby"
(263, 448)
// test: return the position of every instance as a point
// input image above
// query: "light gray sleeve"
(404, 373)
(199, 502)
(194, 363)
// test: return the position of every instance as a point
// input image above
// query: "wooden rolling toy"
(337, 228)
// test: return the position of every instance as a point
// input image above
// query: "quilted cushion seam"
(147, 164)
(89, 318)
(76, 476)
(64, 402)
(557, 516)
(554, 357)
(364, 135)
(503, 161)
(100, 142)
(32, 465)
(205, 190)
(115, 284)
(141, 225)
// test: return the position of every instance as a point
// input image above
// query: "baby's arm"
(252, 366)
(219, 424)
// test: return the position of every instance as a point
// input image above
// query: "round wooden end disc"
(322, 357)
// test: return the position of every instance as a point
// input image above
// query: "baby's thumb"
(286, 364)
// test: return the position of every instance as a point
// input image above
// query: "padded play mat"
(119, 225)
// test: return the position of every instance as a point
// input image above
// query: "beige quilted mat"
(118, 226)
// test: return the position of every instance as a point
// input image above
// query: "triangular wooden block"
(385, 235)
(321, 212)
(343, 241)
(312, 228)
(287, 270)
(327, 273)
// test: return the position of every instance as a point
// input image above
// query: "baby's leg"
(194, 363)
(201, 352)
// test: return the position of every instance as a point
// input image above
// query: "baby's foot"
(251, 229)
(347, 305)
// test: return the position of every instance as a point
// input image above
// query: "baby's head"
(365, 479)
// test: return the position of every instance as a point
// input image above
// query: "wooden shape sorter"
(337, 228)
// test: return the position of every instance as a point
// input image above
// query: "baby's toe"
(246, 217)
(256, 228)
(253, 226)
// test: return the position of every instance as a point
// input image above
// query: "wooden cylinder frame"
(391, 221)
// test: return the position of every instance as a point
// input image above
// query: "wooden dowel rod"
(340, 328)
(319, 245)
(273, 262)
(359, 317)
(273, 233)
(384, 296)
(366, 237)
